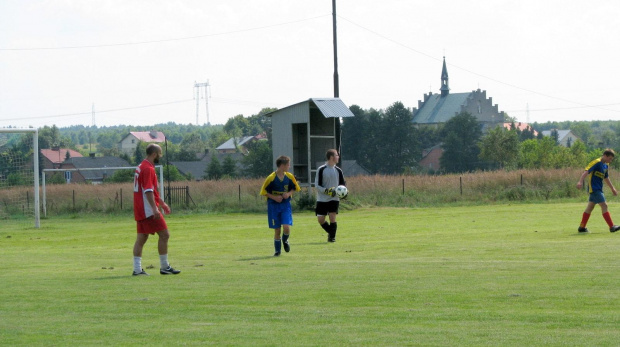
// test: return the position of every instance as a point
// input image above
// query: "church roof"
(440, 109)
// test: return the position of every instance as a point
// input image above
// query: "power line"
(101, 111)
(566, 108)
(163, 40)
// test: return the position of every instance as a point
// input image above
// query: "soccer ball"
(341, 191)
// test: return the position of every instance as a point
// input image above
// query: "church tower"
(445, 89)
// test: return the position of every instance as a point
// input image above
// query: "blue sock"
(285, 237)
(278, 245)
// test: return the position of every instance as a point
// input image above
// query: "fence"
(395, 191)
(176, 196)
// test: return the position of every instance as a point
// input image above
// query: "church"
(439, 108)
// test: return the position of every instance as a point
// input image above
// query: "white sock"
(137, 264)
(163, 261)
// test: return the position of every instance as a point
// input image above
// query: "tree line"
(388, 142)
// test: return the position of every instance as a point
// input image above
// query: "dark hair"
(282, 160)
(331, 153)
(609, 152)
(152, 148)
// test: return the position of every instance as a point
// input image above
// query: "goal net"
(19, 177)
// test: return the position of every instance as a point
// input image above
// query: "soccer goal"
(19, 176)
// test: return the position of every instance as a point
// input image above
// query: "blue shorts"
(279, 214)
(597, 197)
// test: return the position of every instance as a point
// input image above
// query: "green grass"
(502, 275)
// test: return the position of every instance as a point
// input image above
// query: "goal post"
(43, 186)
(19, 174)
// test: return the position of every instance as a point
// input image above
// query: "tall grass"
(387, 191)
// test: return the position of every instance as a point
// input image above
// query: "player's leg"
(274, 216)
(285, 235)
(321, 214)
(162, 248)
(159, 226)
(141, 239)
(607, 216)
(277, 241)
(287, 221)
(333, 225)
(586, 216)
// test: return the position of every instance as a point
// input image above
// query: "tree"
(213, 170)
(120, 176)
(140, 152)
(555, 135)
(171, 173)
(229, 167)
(500, 146)
(258, 161)
(461, 136)
(354, 134)
(400, 148)
(238, 126)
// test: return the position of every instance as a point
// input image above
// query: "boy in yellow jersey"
(278, 188)
(597, 173)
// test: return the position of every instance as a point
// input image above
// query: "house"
(430, 158)
(521, 127)
(54, 157)
(436, 109)
(92, 162)
(235, 144)
(565, 137)
(129, 143)
(197, 168)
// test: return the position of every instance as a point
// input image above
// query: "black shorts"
(325, 208)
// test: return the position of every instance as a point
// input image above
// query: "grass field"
(502, 275)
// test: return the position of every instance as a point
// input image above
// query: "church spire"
(445, 89)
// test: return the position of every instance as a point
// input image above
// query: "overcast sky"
(137, 60)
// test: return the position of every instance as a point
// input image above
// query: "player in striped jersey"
(597, 173)
(278, 188)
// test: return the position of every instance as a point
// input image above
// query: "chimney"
(153, 134)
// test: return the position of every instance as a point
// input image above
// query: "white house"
(129, 143)
(565, 137)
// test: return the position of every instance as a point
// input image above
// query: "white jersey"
(327, 177)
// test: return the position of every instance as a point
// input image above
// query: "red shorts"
(152, 225)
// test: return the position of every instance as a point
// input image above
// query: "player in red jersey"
(146, 203)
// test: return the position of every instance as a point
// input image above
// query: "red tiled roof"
(519, 125)
(58, 156)
(149, 136)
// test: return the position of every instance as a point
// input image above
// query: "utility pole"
(205, 96)
(93, 114)
(336, 82)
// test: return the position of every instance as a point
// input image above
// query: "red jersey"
(145, 180)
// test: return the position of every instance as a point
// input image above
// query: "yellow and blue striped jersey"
(276, 186)
(597, 172)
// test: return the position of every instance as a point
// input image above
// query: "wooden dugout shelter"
(305, 131)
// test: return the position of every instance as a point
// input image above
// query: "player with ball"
(330, 188)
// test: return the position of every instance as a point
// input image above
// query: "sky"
(137, 62)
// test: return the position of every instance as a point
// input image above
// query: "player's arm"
(276, 198)
(164, 206)
(150, 199)
(318, 183)
(610, 185)
(292, 187)
(580, 182)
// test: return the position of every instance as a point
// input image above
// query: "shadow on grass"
(256, 258)
(115, 277)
